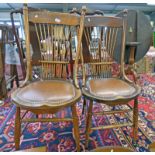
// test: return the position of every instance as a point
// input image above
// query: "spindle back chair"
(103, 35)
(58, 35)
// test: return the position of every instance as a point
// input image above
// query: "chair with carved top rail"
(99, 84)
(58, 35)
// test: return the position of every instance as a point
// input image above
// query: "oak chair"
(102, 34)
(56, 34)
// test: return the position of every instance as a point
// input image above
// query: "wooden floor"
(112, 149)
(37, 149)
(152, 147)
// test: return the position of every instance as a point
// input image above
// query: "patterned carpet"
(59, 137)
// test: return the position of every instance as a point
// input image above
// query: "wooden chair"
(56, 33)
(3, 39)
(103, 35)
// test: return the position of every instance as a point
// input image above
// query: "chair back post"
(27, 41)
(122, 68)
(79, 55)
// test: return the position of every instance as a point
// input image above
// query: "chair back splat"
(102, 34)
(58, 37)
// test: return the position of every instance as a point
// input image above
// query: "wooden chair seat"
(110, 89)
(49, 93)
